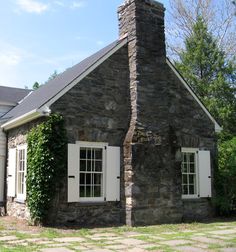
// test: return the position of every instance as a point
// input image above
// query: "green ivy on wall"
(46, 165)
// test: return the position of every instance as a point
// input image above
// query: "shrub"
(226, 178)
(46, 161)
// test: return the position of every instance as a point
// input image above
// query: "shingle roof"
(46, 92)
(12, 95)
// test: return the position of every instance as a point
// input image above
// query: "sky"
(38, 37)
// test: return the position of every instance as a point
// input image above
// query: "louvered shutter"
(11, 173)
(113, 174)
(73, 173)
(204, 163)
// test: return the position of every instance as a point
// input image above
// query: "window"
(196, 173)
(93, 172)
(189, 173)
(21, 172)
(17, 164)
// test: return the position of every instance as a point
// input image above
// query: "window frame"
(195, 151)
(103, 146)
(21, 196)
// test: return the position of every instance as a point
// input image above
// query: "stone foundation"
(197, 209)
(17, 209)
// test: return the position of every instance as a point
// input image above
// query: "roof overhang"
(30, 116)
(6, 103)
(186, 85)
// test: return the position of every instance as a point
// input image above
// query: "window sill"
(190, 197)
(92, 203)
(20, 201)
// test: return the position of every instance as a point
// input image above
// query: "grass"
(153, 235)
(50, 233)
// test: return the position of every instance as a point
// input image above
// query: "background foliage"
(212, 75)
(46, 161)
(226, 178)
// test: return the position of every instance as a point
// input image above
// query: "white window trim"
(21, 197)
(84, 144)
(192, 150)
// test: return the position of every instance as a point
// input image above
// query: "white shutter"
(25, 189)
(73, 173)
(113, 174)
(11, 176)
(204, 163)
(2, 168)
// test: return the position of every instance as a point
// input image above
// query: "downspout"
(5, 176)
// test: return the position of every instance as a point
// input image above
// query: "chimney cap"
(148, 2)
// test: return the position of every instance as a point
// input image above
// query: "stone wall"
(164, 118)
(97, 109)
(18, 137)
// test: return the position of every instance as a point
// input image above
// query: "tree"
(53, 75)
(36, 85)
(211, 74)
(219, 16)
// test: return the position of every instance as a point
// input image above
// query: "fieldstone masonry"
(135, 101)
(164, 118)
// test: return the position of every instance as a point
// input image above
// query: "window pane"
(184, 168)
(98, 154)
(89, 165)
(191, 179)
(191, 157)
(82, 178)
(98, 166)
(192, 168)
(185, 179)
(82, 165)
(88, 179)
(82, 153)
(97, 191)
(82, 191)
(185, 189)
(89, 153)
(88, 191)
(191, 189)
(97, 179)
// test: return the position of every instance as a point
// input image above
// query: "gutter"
(30, 116)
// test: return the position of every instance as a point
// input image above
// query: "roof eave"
(218, 128)
(6, 103)
(30, 116)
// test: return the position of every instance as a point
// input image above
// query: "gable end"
(186, 85)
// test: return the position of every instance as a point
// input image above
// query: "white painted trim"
(195, 151)
(103, 146)
(85, 73)
(4, 103)
(34, 114)
(91, 144)
(21, 197)
(217, 126)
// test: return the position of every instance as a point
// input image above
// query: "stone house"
(141, 145)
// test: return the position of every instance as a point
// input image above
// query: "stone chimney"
(142, 21)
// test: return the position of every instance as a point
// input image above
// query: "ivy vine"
(46, 165)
